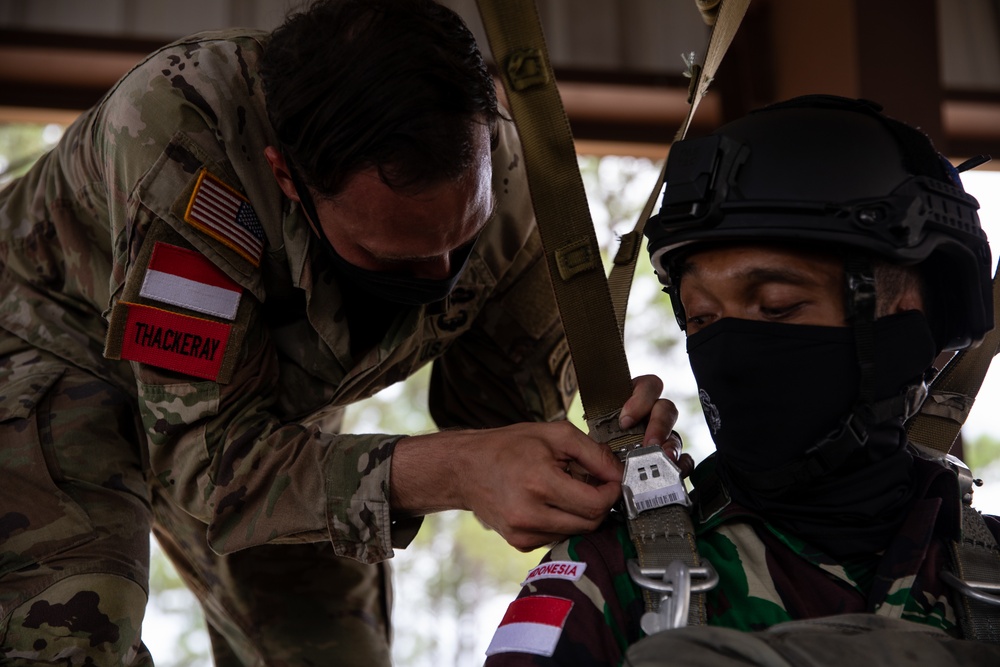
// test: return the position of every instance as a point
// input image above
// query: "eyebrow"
(758, 275)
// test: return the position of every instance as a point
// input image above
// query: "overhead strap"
(954, 390)
(725, 16)
(560, 203)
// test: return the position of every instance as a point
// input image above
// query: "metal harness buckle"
(675, 583)
(973, 589)
(651, 480)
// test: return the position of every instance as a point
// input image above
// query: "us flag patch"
(224, 214)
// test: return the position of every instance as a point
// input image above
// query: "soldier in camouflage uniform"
(193, 284)
(766, 225)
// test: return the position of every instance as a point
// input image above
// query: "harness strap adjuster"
(977, 590)
(675, 583)
(651, 480)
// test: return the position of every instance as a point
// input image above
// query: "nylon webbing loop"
(953, 391)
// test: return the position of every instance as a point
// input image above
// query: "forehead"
(750, 266)
(730, 258)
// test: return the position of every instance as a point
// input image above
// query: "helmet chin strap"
(852, 434)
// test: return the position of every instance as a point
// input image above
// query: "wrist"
(427, 474)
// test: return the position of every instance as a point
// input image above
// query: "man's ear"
(276, 160)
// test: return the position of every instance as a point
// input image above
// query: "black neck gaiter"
(771, 391)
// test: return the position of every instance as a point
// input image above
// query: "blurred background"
(620, 66)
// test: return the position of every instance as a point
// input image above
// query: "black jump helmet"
(830, 170)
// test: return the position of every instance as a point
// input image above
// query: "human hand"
(518, 482)
(534, 483)
(660, 415)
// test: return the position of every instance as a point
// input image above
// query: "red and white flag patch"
(531, 625)
(224, 214)
(557, 569)
(186, 278)
(176, 342)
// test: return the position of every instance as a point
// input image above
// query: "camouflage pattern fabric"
(250, 455)
(74, 518)
(767, 577)
(833, 641)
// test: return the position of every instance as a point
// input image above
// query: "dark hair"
(399, 85)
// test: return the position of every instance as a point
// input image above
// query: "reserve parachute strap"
(954, 390)
(664, 533)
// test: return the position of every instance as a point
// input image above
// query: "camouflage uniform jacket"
(241, 387)
(766, 577)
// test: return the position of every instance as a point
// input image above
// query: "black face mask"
(770, 391)
(394, 288)
(402, 289)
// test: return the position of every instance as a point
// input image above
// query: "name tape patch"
(183, 277)
(224, 214)
(531, 625)
(176, 342)
(557, 569)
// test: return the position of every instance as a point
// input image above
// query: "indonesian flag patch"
(531, 625)
(182, 277)
(224, 214)
(160, 338)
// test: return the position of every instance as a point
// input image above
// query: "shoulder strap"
(976, 559)
(725, 17)
(954, 390)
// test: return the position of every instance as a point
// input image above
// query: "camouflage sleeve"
(513, 365)
(227, 451)
(578, 608)
(220, 453)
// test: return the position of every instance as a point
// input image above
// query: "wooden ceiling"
(932, 63)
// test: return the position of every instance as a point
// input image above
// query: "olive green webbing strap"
(574, 260)
(725, 17)
(976, 558)
(560, 203)
(954, 390)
